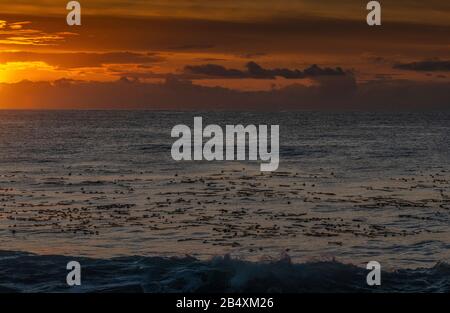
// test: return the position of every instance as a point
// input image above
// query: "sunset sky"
(225, 54)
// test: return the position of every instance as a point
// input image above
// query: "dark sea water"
(101, 187)
(21, 272)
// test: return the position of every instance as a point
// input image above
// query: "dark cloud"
(332, 93)
(425, 66)
(254, 70)
(302, 34)
(214, 70)
(80, 59)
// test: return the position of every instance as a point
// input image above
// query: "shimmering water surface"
(351, 186)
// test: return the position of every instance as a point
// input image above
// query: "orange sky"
(151, 41)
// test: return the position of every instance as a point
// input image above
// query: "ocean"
(101, 187)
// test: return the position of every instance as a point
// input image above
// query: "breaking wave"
(25, 272)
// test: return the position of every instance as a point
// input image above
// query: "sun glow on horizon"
(12, 72)
(3, 74)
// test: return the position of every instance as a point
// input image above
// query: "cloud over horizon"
(333, 93)
(80, 59)
(425, 66)
(183, 52)
(254, 70)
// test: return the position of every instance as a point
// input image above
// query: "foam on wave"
(25, 272)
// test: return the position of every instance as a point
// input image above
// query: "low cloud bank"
(332, 93)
